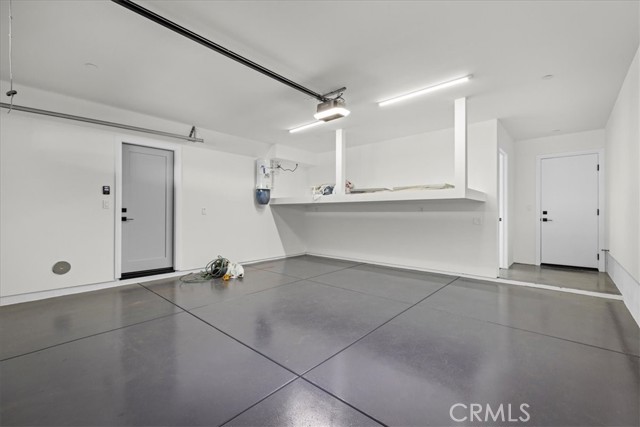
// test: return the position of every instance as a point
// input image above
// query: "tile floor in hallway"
(313, 341)
(564, 277)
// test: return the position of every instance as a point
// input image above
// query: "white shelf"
(385, 196)
(459, 192)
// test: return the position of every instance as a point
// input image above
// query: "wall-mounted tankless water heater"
(263, 181)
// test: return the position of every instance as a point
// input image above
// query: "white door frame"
(503, 208)
(177, 196)
(601, 199)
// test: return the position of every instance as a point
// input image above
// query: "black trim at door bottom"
(145, 273)
(568, 267)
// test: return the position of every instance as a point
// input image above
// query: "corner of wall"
(622, 134)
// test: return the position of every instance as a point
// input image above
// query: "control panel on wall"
(106, 191)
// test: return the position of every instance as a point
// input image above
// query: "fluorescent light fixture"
(424, 91)
(307, 126)
(331, 110)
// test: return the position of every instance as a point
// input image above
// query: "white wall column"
(460, 147)
(341, 161)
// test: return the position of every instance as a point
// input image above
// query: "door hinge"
(597, 211)
(598, 257)
(597, 167)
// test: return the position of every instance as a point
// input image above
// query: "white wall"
(623, 189)
(506, 143)
(324, 171)
(51, 204)
(53, 171)
(425, 158)
(526, 151)
(434, 235)
(288, 183)
(235, 226)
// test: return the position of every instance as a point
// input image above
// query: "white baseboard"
(485, 278)
(35, 296)
(628, 286)
(384, 264)
(275, 258)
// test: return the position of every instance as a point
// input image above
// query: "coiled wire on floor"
(214, 270)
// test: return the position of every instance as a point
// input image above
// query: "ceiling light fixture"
(307, 126)
(424, 91)
(331, 110)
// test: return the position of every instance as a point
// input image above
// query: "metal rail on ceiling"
(97, 122)
(221, 49)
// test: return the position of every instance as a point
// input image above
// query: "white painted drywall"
(53, 171)
(52, 176)
(526, 151)
(623, 187)
(292, 181)
(434, 235)
(234, 226)
(292, 155)
(325, 170)
(426, 158)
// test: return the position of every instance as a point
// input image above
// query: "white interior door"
(147, 209)
(503, 239)
(569, 210)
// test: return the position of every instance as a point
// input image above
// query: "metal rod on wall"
(98, 122)
(216, 47)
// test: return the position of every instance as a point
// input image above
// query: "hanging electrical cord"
(11, 92)
(215, 269)
(279, 166)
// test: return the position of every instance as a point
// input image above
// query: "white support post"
(460, 148)
(340, 161)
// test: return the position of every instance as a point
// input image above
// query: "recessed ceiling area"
(378, 50)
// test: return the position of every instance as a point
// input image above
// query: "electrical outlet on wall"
(106, 204)
(203, 211)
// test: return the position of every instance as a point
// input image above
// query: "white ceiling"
(377, 49)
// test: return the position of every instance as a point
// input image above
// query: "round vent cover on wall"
(61, 267)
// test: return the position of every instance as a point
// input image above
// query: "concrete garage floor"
(313, 341)
(565, 277)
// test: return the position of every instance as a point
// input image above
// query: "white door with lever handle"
(147, 209)
(569, 210)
